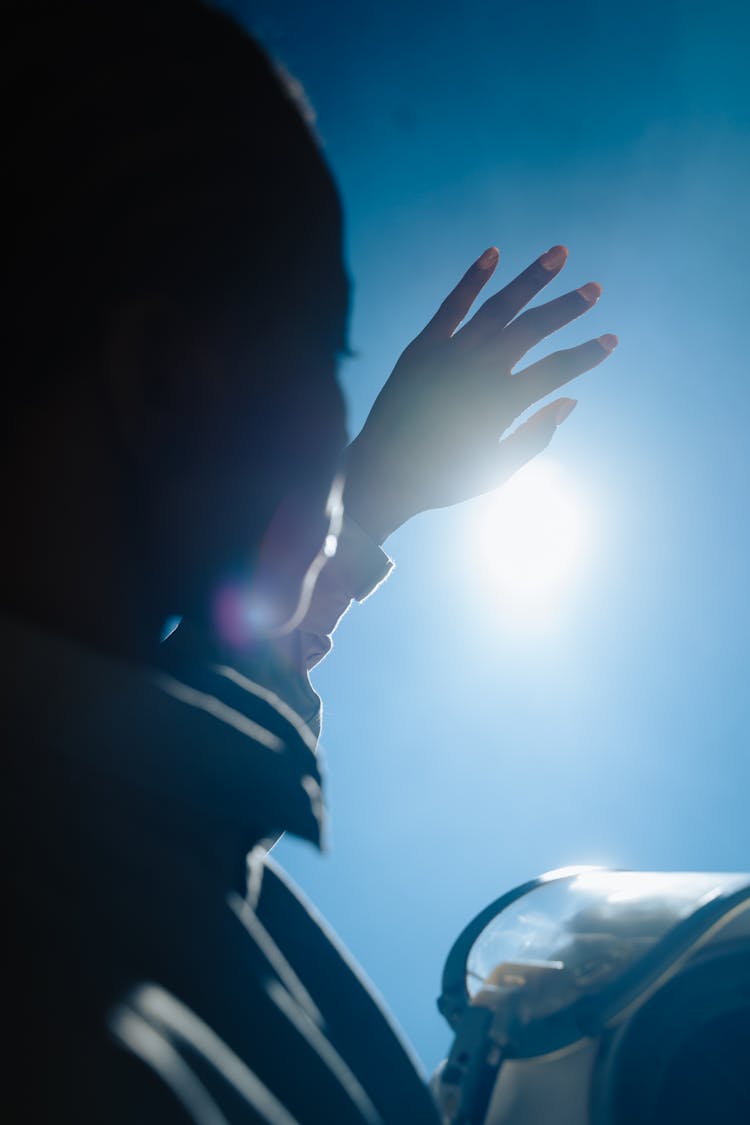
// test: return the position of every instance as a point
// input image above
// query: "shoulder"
(101, 747)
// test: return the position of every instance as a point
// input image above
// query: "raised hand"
(432, 437)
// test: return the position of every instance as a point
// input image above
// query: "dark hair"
(153, 146)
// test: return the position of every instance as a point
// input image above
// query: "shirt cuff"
(355, 571)
(363, 562)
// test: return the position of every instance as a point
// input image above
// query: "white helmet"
(600, 997)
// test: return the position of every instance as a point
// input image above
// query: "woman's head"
(175, 258)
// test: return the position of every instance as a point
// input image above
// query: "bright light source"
(531, 538)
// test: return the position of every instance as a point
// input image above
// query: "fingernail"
(554, 258)
(609, 342)
(489, 259)
(565, 408)
(591, 292)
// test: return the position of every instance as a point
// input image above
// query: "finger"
(500, 309)
(457, 304)
(544, 377)
(532, 437)
(533, 325)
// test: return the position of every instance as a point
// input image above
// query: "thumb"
(531, 438)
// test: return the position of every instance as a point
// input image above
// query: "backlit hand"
(432, 437)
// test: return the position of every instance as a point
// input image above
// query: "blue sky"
(465, 752)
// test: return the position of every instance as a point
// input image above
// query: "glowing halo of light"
(530, 538)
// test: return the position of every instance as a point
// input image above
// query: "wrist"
(368, 499)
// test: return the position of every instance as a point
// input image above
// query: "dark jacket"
(146, 981)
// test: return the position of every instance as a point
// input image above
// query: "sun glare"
(531, 538)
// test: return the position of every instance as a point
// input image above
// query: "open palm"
(432, 437)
